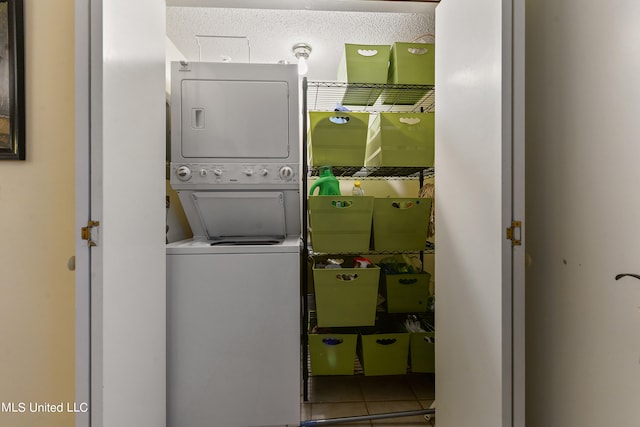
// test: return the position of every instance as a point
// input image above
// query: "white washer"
(233, 334)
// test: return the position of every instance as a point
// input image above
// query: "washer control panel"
(234, 173)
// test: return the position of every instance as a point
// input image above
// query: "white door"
(583, 206)
(479, 192)
(120, 76)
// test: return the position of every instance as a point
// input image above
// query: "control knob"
(217, 172)
(264, 172)
(286, 172)
(183, 173)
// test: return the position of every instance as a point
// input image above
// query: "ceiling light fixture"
(301, 51)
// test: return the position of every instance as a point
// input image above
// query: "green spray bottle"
(327, 183)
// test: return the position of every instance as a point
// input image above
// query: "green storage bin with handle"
(337, 138)
(406, 292)
(346, 296)
(332, 351)
(340, 224)
(363, 63)
(401, 139)
(412, 63)
(400, 224)
(384, 349)
(422, 352)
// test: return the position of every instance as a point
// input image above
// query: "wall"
(37, 227)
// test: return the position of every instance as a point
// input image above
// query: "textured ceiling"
(271, 33)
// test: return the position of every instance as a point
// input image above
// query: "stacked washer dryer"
(233, 300)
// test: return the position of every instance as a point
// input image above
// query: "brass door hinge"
(514, 233)
(85, 232)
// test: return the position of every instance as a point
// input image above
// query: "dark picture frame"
(12, 120)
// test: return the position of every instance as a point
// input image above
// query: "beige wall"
(37, 227)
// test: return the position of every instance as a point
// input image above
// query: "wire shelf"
(376, 172)
(429, 248)
(326, 96)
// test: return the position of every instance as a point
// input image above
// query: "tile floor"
(345, 396)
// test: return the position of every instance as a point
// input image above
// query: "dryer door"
(225, 119)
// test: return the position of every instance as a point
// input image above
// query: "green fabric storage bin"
(401, 139)
(384, 350)
(338, 138)
(346, 296)
(406, 293)
(412, 63)
(400, 224)
(422, 352)
(340, 224)
(333, 352)
(363, 64)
